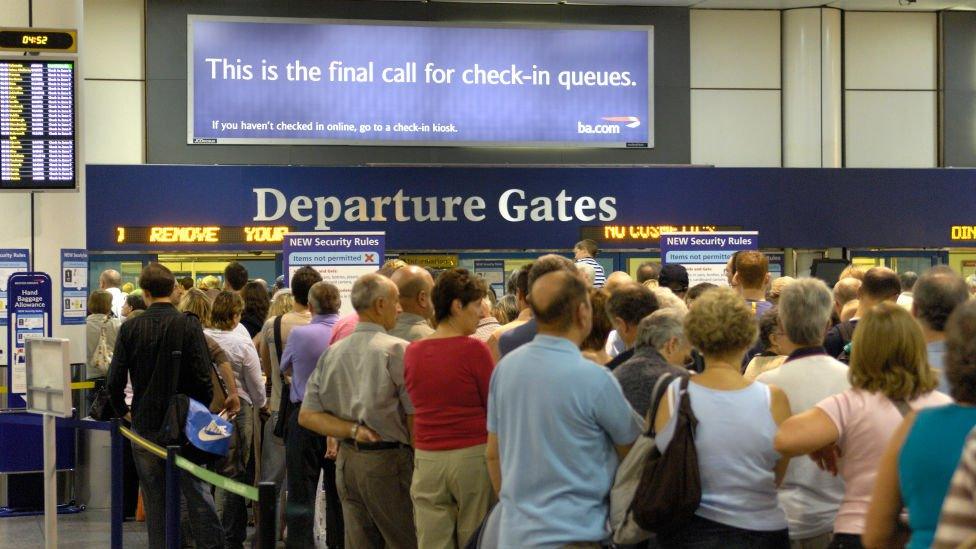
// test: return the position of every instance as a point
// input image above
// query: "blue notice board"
(11, 261)
(74, 285)
(28, 315)
(339, 257)
(705, 254)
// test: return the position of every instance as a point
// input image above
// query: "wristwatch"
(354, 431)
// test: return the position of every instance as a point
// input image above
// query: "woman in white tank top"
(737, 421)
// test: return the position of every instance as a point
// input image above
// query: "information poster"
(74, 285)
(271, 81)
(11, 261)
(29, 315)
(493, 271)
(705, 255)
(339, 257)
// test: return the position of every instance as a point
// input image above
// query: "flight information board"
(37, 124)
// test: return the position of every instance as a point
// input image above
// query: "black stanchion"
(267, 506)
(118, 511)
(172, 498)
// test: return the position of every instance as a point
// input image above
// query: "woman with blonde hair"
(847, 433)
(737, 420)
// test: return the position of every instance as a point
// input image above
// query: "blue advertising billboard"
(302, 81)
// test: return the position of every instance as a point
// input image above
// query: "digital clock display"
(38, 40)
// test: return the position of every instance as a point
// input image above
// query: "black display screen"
(37, 124)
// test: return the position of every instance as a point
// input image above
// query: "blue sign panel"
(305, 81)
(428, 208)
(706, 254)
(29, 315)
(74, 285)
(11, 261)
(339, 257)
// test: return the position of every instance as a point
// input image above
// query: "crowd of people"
(438, 415)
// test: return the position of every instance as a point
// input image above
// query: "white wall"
(110, 124)
(890, 89)
(735, 88)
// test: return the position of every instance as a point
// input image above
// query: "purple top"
(302, 351)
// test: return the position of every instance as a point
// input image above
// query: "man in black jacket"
(146, 344)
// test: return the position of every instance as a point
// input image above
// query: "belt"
(373, 446)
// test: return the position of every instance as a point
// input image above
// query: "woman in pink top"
(848, 432)
(447, 375)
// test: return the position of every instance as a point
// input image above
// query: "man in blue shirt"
(936, 295)
(304, 449)
(552, 453)
(516, 337)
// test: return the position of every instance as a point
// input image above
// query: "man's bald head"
(845, 291)
(616, 280)
(547, 264)
(415, 285)
(411, 280)
(110, 278)
(556, 296)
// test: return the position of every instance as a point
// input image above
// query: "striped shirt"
(599, 278)
(957, 523)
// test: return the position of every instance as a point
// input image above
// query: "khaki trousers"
(451, 495)
(374, 487)
(816, 542)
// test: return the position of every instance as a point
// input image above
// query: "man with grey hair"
(111, 281)
(809, 496)
(305, 449)
(415, 286)
(357, 395)
(937, 293)
(660, 348)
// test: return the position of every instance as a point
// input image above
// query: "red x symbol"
(368, 258)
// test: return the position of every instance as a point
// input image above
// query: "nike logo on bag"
(213, 432)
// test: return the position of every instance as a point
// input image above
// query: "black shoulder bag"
(284, 403)
(669, 490)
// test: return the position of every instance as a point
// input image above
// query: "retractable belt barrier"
(263, 495)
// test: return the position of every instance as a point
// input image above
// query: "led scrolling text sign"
(202, 234)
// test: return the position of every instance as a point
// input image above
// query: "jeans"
(702, 533)
(304, 451)
(203, 522)
(232, 508)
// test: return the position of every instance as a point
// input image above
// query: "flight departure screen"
(37, 124)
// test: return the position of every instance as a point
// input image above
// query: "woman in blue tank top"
(917, 467)
(737, 421)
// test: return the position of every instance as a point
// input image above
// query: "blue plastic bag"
(206, 431)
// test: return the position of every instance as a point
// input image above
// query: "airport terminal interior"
(269, 158)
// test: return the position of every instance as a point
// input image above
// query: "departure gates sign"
(293, 81)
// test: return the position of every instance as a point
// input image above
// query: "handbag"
(203, 437)
(102, 357)
(625, 529)
(284, 401)
(669, 491)
(101, 408)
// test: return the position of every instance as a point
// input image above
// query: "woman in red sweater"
(447, 376)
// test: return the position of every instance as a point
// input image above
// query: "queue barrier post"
(118, 513)
(172, 498)
(267, 507)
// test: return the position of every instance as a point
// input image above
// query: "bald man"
(582, 427)
(880, 284)
(616, 280)
(415, 285)
(111, 281)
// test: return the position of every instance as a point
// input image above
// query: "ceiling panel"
(895, 5)
(759, 4)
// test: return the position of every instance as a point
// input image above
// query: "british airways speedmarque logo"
(613, 127)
